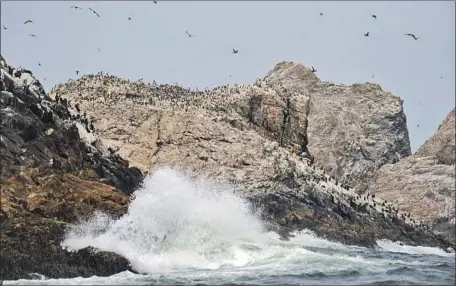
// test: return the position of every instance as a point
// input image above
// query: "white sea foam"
(390, 246)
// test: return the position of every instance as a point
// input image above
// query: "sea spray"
(173, 223)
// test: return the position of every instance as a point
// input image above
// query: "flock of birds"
(234, 51)
(366, 201)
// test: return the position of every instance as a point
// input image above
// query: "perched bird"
(366, 34)
(129, 18)
(98, 15)
(76, 7)
(413, 36)
(189, 35)
(235, 51)
(313, 69)
(374, 16)
(28, 21)
(5, 28)
(32, 35)
(77, 72)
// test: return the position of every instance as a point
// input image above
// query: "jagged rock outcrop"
(442, 144)
(353, 130)
(424, 184)
(53, 172)
(248, 136)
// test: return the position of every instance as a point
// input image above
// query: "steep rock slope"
(53, 173)
(248, 136)
(353, 130)
(423, 185)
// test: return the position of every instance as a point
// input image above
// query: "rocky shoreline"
(51, 177)
(62, 160)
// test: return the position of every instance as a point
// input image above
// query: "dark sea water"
(179, 232)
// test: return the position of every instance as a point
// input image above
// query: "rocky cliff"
(423, 185)
(255, 138)
(54, 171)
(353, 130)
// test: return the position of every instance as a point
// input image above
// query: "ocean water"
(179, 231)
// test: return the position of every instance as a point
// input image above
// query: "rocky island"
(302, 151)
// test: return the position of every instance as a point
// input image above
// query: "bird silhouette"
(189, 35)
(32, 35)
(98, 15)
(5, 28)
(235, 51)
(374, 16)
(99, 49)
(77, 72)
(366, 34)
(39, 64)
(28, 22)
(129, 18)
(314, 70)
(76, 7)
(413, 36)
(155, 2)
(441, 77)
(321, 14)
(372, 76)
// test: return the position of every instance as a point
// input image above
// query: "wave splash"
(173, 223)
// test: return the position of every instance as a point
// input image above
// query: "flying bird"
(374, 16)
(5, 28)
(441, 77)
(417, 125)
(367, 34)
(39, 64)
(98, 15)
(321, 14)
(314, 70)
(155, 2)
(413, 36)
(98, 49)
(28, 21)
(129, 18)
(76, 7)
(77, 72)
(32, 35)
(235, 51)
(44, 78)
(189, 35)
(372, 76)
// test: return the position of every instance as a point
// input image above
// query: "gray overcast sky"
(153, 45)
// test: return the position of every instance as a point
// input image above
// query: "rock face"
(53, 172)
(424, 184)
(353, 130)
(442, 144)
(248, 136)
